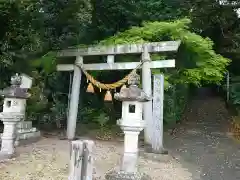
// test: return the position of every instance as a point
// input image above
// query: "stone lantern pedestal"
(132, 124)
(10, 121)
(131, 132)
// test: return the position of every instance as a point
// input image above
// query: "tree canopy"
(196, 61)
(35, 29)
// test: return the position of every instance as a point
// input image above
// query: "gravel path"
(48, 159)
(203, 146)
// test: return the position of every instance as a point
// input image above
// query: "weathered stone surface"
(149, 149)
(147, 88)
(26, 131)
(14, 91)
(121, 49)
(155, 157)
(73, 106)
(133, 93)
(121, 175)
(5, 156)
(24, 125)
(9, 132)
(88, 159)
(29, 135)
(81, 160)
(118, 65)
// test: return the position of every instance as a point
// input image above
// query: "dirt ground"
(49, 157)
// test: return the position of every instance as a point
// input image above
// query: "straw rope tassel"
(108, 96)
(90, 88)
(123, 87)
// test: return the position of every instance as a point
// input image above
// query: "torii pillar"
(74, 100)
(147, 88)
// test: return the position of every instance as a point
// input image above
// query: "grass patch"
(105, 133)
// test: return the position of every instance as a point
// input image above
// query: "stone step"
(26, 138)
(24, 125)
(27, 130)
(29, 135)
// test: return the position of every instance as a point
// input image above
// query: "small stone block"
(121, 175)
(29, 135)
(149, 149)
(161, 151)
(24, 125)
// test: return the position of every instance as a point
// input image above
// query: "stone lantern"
(132, 124)
(15, 100)
(13, 112)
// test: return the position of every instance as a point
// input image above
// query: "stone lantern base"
(128, 169)
(9, 134)
(25, 133)
(121, 175)
(4, 156)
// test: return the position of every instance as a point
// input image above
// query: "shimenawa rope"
(108, 86)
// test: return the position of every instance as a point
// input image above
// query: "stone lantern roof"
(133, 92)
(15, 91)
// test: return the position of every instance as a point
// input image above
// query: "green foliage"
(58, 110)
(65, 22)
(18, 36)
(160, 10)
(175, 101)
(235, 94)
(121, 15)
(196, 61)
(47, 62)
(37, 108)
(218, 22)
(101, 119)
(32, 28)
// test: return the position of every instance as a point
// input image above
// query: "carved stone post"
(157, 128)
(81, 160)
(76, 157)
(87, 167)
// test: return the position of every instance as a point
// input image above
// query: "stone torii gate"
(110, 51)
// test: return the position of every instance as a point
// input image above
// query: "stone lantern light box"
(26, 81)
(15, 96)
(132, 100)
